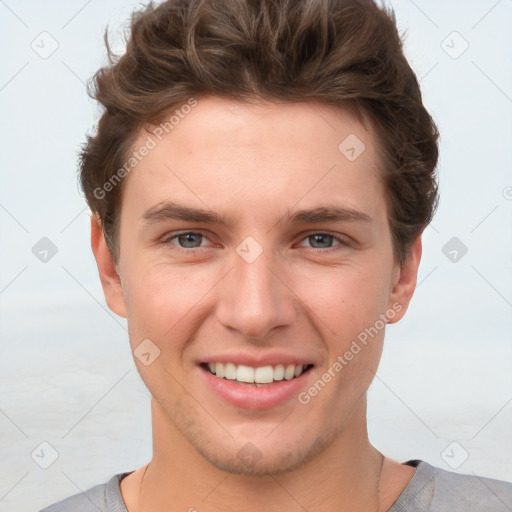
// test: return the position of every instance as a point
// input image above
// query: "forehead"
(262, 127)
(256, 157)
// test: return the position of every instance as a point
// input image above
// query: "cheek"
(160, 305)
(348, 309)
(345, 300)
(161, 300)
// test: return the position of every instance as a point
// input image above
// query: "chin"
(262, 459)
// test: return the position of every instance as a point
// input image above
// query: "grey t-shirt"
(431, 489)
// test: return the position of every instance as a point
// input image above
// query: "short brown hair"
(345, 53)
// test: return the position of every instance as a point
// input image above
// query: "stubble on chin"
(242, 457)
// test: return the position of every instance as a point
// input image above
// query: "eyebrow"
(169, 210)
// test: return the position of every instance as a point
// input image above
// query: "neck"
(179, 475)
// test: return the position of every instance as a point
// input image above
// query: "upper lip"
(257, 361)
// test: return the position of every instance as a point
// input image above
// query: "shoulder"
(437, 490)
(100, 498)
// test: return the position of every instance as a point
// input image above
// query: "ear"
(404, 282)
(109, 277)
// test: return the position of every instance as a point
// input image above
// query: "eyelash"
(172, 236)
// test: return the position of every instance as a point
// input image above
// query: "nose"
(255, 297)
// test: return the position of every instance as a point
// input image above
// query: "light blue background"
(66, 373)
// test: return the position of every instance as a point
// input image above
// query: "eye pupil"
(321, 238)
(188, 238)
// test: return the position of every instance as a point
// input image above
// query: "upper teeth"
(260, 375)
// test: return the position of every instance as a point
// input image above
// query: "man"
(259, 182)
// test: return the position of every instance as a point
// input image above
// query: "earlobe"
(405, 282)
(109, 277)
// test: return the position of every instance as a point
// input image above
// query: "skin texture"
(302, 296)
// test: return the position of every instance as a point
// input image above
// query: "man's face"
(271, 287)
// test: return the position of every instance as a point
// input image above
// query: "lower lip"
(253, 397)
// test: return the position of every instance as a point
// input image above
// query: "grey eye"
(186, 240)
(322, 239)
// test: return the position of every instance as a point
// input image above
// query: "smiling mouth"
(256, 377)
